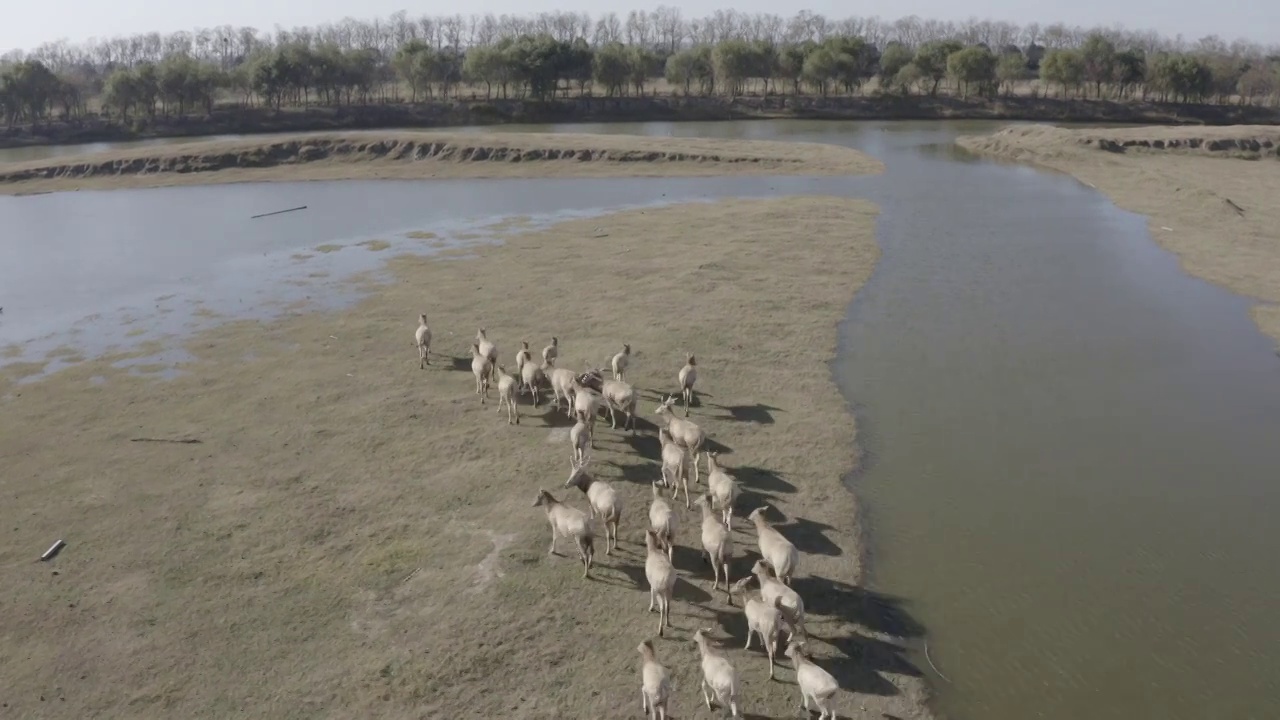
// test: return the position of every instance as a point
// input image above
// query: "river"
(1070, 453)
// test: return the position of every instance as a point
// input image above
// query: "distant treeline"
(136, 80)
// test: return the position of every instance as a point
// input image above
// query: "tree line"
(565, 54)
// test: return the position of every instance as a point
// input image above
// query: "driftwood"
(277, 212)
(187, 441)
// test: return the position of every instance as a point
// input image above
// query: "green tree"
(642, 64)
(895, 57)
(175, 82)
(855, 61)
(681, 70)
(1065, 67)
(974, 65)
(1259, 82)
(120, 92)
(1011, 68)
(612, 68)
(791, 64)
(931, 61)
(537, 61)
(1226, 72)
(1130, 70)
(489, 66)
(733, 62)
(820, 69)
(415, 62)
(577, 58)
(147, 77)
(908, 76)
(1099, 57)
(271, 77)
(31, 87)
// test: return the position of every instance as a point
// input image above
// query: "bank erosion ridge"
(409, 154)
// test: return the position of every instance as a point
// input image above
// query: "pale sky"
(27, 23)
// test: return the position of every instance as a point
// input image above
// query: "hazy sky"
(27, 23)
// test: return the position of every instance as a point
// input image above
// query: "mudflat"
(1209, 192)
(349, 535)
(411, 155)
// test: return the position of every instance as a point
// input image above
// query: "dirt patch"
(328, 248)
(375, 245)
(429, 155)
(1208, 194)
(356, 535)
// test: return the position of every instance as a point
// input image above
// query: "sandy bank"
(1209, 192)
(354, 535)
(407, 154)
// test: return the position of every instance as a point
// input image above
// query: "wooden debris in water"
(277, 212)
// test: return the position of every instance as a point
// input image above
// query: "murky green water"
(1073, 464)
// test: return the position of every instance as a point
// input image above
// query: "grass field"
(355, 537)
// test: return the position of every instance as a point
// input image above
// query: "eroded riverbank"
(419, 155)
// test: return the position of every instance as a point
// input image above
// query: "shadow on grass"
(646, 446)
(809, 537)
(759, 413)
(876, 611)
(715, 446)
(551, 417)
(762, 479)
(644, 473)
(860, 659)
(685, 590)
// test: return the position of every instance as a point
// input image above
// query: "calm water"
(46, 152)
(1072, 455)
(98, 270)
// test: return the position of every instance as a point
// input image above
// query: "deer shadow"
(642, 424)
(809, 537)
(715, 446)
(642, 473)
(552, 417)
(878, 612)
(762, 479)
(759, 413)
(646, 446)
(859, 660)
(460, 363)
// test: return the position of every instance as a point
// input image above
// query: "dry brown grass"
(410, 154)
(355, 537)
(1206, 200)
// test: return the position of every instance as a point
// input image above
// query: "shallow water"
(120, 267)
(48, 152)
(1071, 453)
